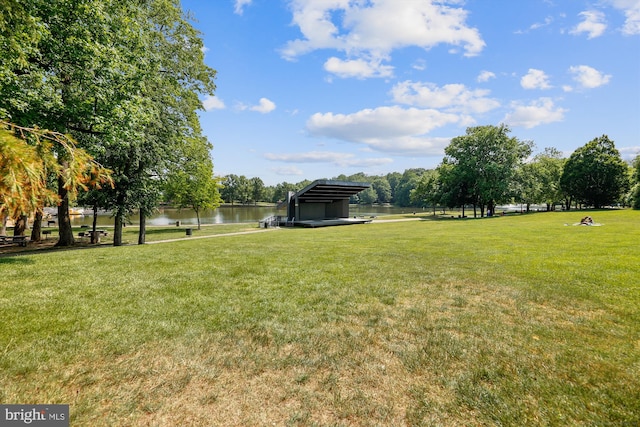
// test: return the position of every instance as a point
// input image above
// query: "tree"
(484, 162)
(193, 185)
(229, 188)
(409, 181)
(367, 197)
(595, 174)
(428, 192)
(548, 171)
(383, 189)
(257, 189)
(394, 179)
(281, 191)
(538, 181)
(456, 186)
(243, 189)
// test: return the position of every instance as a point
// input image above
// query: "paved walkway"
(262, 230)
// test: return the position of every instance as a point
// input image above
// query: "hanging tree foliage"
(30, 157)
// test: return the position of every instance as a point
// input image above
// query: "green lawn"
(516, 320)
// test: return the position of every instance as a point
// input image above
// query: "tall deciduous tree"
(548, 171)
(539, 180)
(595, 174)
(192, 184)
(257, 189)
(484, 161)
(229, 190)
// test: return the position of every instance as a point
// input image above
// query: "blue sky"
(310, 89)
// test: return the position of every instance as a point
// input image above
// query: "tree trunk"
(64, 221)
(142, 233)
(117, 230)
(94, 225)
(491, 208)
(20, 225)
(198, 217)
(36, 230)
(3, 231)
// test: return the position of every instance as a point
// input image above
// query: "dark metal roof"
(325, 191)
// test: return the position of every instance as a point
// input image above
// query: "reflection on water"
(222, 215)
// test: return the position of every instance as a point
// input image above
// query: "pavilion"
(323, 203)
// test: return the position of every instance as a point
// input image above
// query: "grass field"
(516, 320)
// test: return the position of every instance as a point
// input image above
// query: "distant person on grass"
(587, 220)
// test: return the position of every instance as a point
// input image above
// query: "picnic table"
(14, 240)
(96, 237)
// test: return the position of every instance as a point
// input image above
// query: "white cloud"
(240, 4)
(265, 106)
(547, 21)
(389, 129)
(594, 24)
(382, 122)
(631, 9)
(536, 25)
(371, 30)
(451, 97)
(213, 103)
(358, 68)
(485, 76)
(336, 158)
(629, 153)
(288, 170)
(538, 112)
(589, 77)
(420, 65)
(535, 79)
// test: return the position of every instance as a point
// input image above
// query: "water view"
(222, 215)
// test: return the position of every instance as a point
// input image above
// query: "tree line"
(481, 169)
(98, 106)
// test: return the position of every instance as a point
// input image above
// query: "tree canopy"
(595, 174)
(481, 164)
(28, 163)
(123, 78)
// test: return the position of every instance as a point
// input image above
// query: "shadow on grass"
(9, 259)
(18, 253)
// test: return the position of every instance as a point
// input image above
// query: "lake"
(223, 214)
